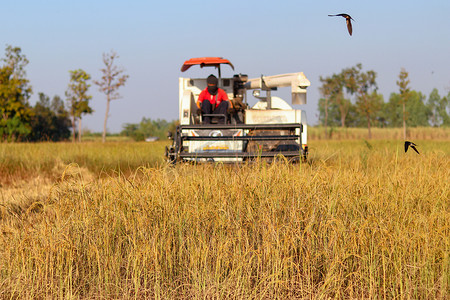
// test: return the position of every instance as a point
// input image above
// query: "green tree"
(363, 84)
(393, 111)
(15, 91)
(50, 120)
(41, 122)
(61, 121)
(326, 90)
(417, 112)
(130, 129)
(403, 83)
(148, 128)
(446, 120)
(333, 117)
(438, 109)
(112, 79)
(78, 99)
(332, 90)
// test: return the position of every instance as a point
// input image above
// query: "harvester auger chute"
(268, 129)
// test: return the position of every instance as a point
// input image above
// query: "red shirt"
(216, 99)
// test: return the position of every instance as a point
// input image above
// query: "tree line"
(50, 120)
(350, 99)
(149, 128)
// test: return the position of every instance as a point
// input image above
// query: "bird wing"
(341, 15)
(407, 144)
(349, 26)
(415, 149)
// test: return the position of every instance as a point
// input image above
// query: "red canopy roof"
(205, 62)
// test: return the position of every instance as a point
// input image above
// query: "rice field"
(360, 219)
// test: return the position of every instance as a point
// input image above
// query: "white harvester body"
(268, 128)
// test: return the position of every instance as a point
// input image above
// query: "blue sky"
(154, 38)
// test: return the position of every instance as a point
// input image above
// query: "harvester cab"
(269, 128)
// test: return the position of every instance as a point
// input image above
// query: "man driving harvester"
(216, 103)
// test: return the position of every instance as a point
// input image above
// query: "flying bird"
(412, 145)
(347, 20)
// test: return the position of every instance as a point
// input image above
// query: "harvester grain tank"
(265, 130)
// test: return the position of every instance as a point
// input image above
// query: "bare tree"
(112, 79)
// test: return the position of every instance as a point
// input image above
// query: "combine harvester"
(269, 128)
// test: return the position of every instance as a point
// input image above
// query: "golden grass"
(413, 133)
(24, 161)
(360, 220)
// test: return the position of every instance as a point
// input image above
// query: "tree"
(404, 95)
(78, 99)
(50, 121)
(446, 100)
(326, 90)
(333, 117)
(61, 122)
(148, 128)
(393, 111)
(15, 91)
(438, 109)
(433, 103)
(363, 84)
(42, 120)
(112, 79)
(333, 91)
(368, 102)
(419, 113)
